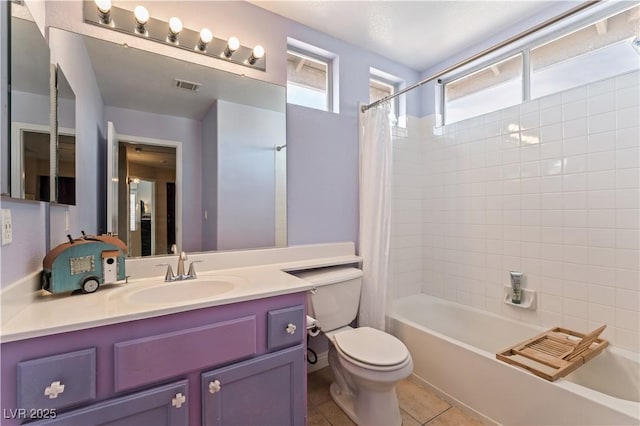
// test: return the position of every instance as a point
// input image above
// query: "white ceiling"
(418, 34)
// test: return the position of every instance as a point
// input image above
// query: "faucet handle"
(174, 249)
(169, 276)
(192, 269)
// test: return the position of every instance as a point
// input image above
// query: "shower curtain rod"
(491, 49)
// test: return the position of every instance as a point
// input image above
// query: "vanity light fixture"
(104, 10)
(256, 53)
(175, 26)
(139, 22)
(232, 45)
(142, 17)
(205, 38)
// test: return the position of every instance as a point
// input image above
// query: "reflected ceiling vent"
(187, 85)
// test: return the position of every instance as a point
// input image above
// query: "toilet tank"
(335, 301)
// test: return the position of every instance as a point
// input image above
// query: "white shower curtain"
(375, 213)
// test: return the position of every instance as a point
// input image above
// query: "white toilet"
(366, 363)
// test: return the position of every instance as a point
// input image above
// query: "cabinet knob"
(178, 400)
(53, 390)
(291, 328)
(214, 386)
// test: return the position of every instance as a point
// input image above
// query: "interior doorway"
(146, 203)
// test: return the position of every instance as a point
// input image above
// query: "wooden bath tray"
(555, 353)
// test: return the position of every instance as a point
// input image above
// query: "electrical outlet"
(7, 231)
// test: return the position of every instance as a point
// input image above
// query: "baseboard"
(323, 361)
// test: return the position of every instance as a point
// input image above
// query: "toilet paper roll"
(311, 322)
(312, 326)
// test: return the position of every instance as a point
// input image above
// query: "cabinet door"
(268, 390)
(164, 405)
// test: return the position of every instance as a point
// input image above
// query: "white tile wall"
(405, 266)
(550, 188)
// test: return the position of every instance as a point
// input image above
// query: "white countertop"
(49, 314)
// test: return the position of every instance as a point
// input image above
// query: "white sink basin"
(183, 291)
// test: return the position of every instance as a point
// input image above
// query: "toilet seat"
(371, 348)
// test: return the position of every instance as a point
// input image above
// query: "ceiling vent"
(187, 85)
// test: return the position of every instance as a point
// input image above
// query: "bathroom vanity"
(232, 362)
(237, 357)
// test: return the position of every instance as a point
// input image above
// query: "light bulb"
(175, 25)
(205, 38)
(103, 6)
(205, 35)
(141, 14)
(104, 10)
(233, 43)
(258, 52)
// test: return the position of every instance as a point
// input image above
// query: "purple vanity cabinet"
(150, 371)
(262, 391)
(163, 405)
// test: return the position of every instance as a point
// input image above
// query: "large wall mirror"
(29, 148)
(42, 164)
(196, 155)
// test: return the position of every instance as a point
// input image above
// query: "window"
(601, 50)
(582, 54)
(308, 80)
(379, 88)
(383, 84)
(489, 89)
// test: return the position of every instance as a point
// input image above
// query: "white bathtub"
(453, 348)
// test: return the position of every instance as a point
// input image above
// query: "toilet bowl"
(366, 363)
(364, 380)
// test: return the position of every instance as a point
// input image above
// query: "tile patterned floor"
(418, 405)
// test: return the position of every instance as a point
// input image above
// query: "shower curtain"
(375, 212)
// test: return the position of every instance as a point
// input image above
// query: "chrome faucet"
(180, 275)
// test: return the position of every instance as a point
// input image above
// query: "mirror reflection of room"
(146, 201)
(30, 109)
(230, 180)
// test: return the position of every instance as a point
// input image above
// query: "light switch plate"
(7, 231)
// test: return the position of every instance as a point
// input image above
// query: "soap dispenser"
(516, 287)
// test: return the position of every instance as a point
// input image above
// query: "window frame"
(399, 101)
(524, 48)
(328, 61)
(395, 87)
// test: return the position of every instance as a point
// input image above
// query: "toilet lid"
(371, 346)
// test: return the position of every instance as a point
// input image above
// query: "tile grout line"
(437, 415)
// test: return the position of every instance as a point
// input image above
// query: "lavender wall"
(30, 108)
